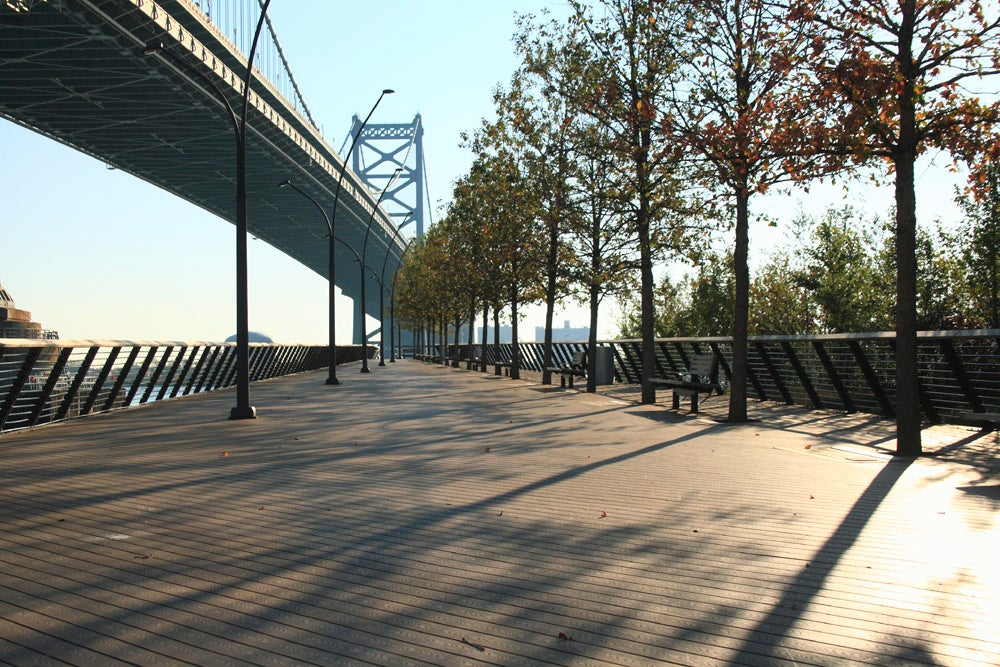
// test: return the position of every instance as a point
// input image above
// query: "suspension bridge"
(80, 72)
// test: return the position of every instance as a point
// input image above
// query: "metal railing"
(47, 381)
(959, 371)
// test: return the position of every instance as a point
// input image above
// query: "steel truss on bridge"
(74, 71)
(383, 148)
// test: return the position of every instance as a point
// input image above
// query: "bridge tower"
(379, 151)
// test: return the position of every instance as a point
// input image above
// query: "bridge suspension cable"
(236, 20)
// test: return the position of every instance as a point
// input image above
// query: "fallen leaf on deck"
(486, 449)
(809, 446)
(262, 507)
(564, 637)
(225, 454)
(475, 646)
(604, 515)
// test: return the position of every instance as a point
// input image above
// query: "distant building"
(16, 323)
(566, 333)
(506, 334)
(253, 337)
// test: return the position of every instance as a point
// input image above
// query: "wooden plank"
(647, 542)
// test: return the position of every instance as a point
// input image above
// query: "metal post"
(332, 324)
(333, 227)
(364, 259)
(243, 409)
(392, 292)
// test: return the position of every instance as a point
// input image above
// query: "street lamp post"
(357, 258)
(243, 409)
(332, 379)
(332, 376)
(364, 259)
(392, 306)
(381, 298)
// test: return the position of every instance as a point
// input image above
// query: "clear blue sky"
(97, 254)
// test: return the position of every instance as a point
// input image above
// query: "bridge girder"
(74, 71)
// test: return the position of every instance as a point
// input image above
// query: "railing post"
(101, 379)
(872, 379)
(167, 351)
(120, 380)
(141, 375)
(19, 381)
(74, 388)
(50, 385)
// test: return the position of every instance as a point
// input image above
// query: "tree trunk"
(648, 314)
(907, 382)
(515, 350)
(550, 299)
(741, 309)
(472, 333)
(482, 353)
(443, 323)
(595, 303)
(496, 340)
(904, 157)
(595, 298)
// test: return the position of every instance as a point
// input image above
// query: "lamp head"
(388, 91)
(152, 47)
(285, 183)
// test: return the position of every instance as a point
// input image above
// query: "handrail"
(959, 371)
(43, 381)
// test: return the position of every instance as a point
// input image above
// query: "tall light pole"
(333, 228)
(364, 259)
(381, 298)
(392, 306)
(332, 376)
(357, 258)
(243, 409)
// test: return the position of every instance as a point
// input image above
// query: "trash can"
(604, 371)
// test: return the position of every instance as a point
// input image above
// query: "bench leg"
(677, 401)
(694, 402)
(562, 381)
(570, 381)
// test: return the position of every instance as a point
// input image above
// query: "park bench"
(987, 420)
(474, 360)
(577, 368)
(700, 377)
(502, 365)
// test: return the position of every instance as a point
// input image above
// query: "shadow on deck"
(426, 515)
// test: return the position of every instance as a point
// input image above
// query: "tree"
(780, 305)
(630, 50)
(840, 269)
(584, 207)
(696, 305)
(505, 192)
(976, 244)
(743, 103)
(901, 68)
(539, 122)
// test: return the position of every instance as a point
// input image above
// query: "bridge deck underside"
(79, 76)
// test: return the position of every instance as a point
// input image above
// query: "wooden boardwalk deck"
(422, 515)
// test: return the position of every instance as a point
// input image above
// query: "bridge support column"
(359, 312)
